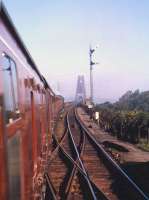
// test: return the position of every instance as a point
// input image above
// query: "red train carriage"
(27, 110)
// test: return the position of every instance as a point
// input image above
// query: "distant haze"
(58, 33)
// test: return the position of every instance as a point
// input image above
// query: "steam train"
(28, 108)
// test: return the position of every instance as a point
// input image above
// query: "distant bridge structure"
(80, 91)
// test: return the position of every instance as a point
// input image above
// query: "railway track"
(59, 166)
(79, 168)
(111, 179)
(65, 178)
(88, 188)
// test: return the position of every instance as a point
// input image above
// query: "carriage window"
(10, 89)
(13, 147)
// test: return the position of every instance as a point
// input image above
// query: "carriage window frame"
(14, 113)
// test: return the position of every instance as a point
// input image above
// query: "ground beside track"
(132, 153)
(132, 159)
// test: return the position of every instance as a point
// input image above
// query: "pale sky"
(58, 33)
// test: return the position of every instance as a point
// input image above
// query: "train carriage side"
(22, 114)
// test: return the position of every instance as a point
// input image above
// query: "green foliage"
(133, 101)
(128, 118)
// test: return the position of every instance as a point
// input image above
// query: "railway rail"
(62, 171)
(124, 188)
(79, 168)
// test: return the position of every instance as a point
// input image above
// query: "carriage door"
(12, 121)
(34, 130)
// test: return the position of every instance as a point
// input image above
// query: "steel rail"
(114, 164)
(61, 140)
(58, 145)
(74, 171)
(99, 193)
(80, 161)
(71, 159)
(64, 134)
(76, 165)
(50, 190)
(49, 193)
(82, 172)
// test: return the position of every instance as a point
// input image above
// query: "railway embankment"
(130, 152)
(132, 159)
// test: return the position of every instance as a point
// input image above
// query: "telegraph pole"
(91, 51)
(91, 75)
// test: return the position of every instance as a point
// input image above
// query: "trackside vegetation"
(128, 118)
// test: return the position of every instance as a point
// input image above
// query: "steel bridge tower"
(80, 91)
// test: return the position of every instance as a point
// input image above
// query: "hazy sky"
(58, 33)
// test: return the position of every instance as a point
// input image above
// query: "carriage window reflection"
(10, 89)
